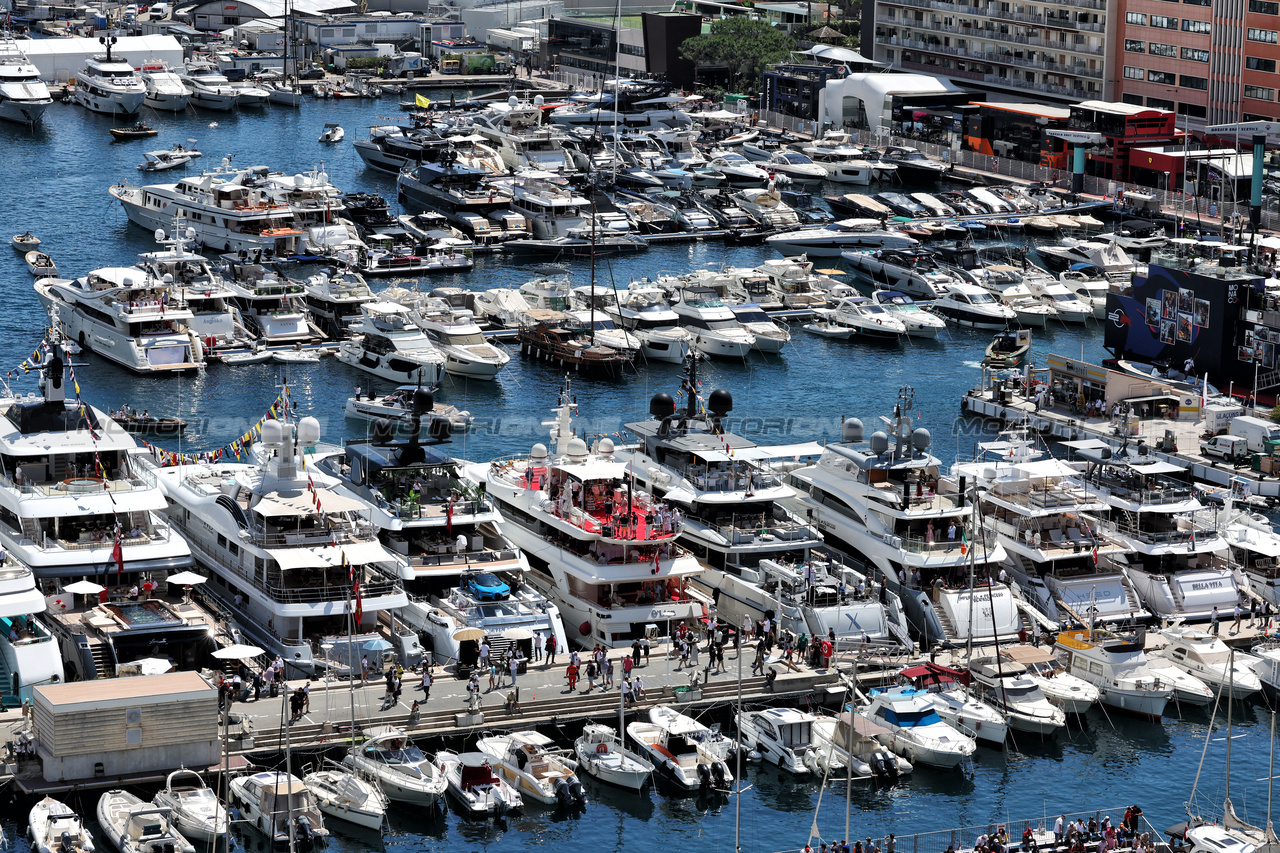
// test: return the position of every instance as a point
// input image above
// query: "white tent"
(841, 98)
(60, 59)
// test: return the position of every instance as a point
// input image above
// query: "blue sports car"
(485, 586)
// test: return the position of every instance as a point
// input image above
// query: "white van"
(1256, 432)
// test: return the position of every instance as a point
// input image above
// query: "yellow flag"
(420, 101)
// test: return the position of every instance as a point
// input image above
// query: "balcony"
(971, 31)
(997, 59)
(1000, 15)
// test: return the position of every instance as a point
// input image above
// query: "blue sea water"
(55, 184)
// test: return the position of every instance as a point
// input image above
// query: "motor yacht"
(967, 304)
(1073, 695)
(867, 319)
(738, 171)
(917, 274)
(343, 795)
(460, 193)
(209, 87)
(165, 89)
(23, 95)
(844, 235)
(529, 762)
(771, 335)
(334, 298)
(250, 94)
(29, 656)
(1226, 672)
(1117, 666)
(681, 751)
(914, 729)
(552, 210)
(913, 165)
(457, 336)
(522, 140)
(782, 736)
(276, 537)
(592, 544)
(193, 806)
(793, 284)
(713, 326)
(399, 769)
(386, 342)
(643, 311)
(851, 741)
(796, 166)
(127, 317)
(1113, 262)
(918, 322)
(1088, 288)
(956, 704)
(884, 500)
(273, 307)
(109, 85)
(1067, 306)
(280, 806)
(602, 755)
(767, 207)
(1009, 688)
(476, 787)
(1009, 285)
(394, 149)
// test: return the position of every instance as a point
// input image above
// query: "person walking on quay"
(644, 647)
(484, 653)
(515, 670)
(364, 670)
(635, 653)
(757, 668)
(571, 673)
(426, 683)
(1235, 625)
(551, 650)
(1213, 621)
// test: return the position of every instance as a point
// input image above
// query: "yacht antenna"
(737, 770)
(592, 191)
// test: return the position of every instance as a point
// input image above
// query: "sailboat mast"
(737, 770)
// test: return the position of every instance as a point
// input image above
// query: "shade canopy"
(517, 634)
(239, 651)
(468, 634)
(377, 645)
(83, 588)
(186, 579)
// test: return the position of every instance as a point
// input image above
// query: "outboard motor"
(704, 776)
(168, 847)
(879, 768)
(499, 804)
(719, 773)
(564, 797)
(65, 845)
(302, 830)
(578, 793)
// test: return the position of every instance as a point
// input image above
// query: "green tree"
(744, 46)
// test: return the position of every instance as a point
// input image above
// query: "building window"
(1259, 93)
(1198, 2)
(1127, 98)
(370, 28)
(1159, 104)
(1264, 7)
(1132, 73)
(1158, 49)
(1189, 26)
(1253, 63)
(1135, 18)
(1268, 36)
(1167, 77)
(1135, 46)
(1195, 54)
(1164, 22)
(326, 33)
(1189, 82)
(231, 20)
(1193, 110)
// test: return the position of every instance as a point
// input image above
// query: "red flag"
(117, 554)
(359, 602)
(448, 517)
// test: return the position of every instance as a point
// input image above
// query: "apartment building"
(1052, 49)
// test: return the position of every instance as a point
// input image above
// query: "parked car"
(485, 586)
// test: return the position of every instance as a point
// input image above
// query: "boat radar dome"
(308, 431)
(272, 433)
(577, 450)
(720, 402)
(662, 405)
(538, 453)
(168, 278)
(159, 234)
(423, 402)
(879, 442)
(920, 439)
(851, 430)
(191, 233)
(513, 101)
(605, 447)
(538, 100)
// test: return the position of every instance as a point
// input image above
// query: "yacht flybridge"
(602, 548)
(280, 542)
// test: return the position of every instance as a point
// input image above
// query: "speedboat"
(796, 166)
(1073, 695)
(970, 305)
(172, 158)
(280, 806)
(476, 787)
(135, 826)
(769, 335)
(333, 133)
(738, 171)
(55, 828)
(917, 274)
(1008, 687)
(1187, 689)
(681, 756)
(955, 704)
(867, 318)
(343, 794)
(1069, 307)
(601, 754)
(844, 235)
(1117, 666)
(715, 330)
(1203, 655)
(529, 763)
(783, 736)
(249, 94)
(401, 770)
(397, 407)
(918, 322)
(915, 731)
(852, 741)
(194, 807)
(457, 336)
(165, 89)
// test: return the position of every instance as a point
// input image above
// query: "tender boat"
(1008, 349)
(602, 755)
(162, 161)
(528, 762)
(1013, 692)
(401, 770)
(134, 826)
(41, 265)
(1206, 657)
(342, 794)
(280, 806)
(194, 807)
(828, 329)
(141, 130)
(397, 407)
(26, 242)
(915, 731)
(852, 740)
(55, 828)
(783, 736)
(476, 788)
(332, 133)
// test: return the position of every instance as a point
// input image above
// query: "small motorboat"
(141, 130)
(400, 769)
(342, 794)
(55, 828)
(1008, 349)
(297, 355)
(194, 806)
(478, 790)
(270, 801)
(828, 329)
(257, 355)
(134, 826)
(41, 265)
(601, 754)
(529, 763)
(332, 133)
(159, 161)
(26, 242)
(144, 424)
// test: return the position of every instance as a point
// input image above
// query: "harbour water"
(56, 179)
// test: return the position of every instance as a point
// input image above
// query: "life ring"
(602, 748)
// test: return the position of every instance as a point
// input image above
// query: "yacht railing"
(340, 592)
(741, 530)
(1187, 530)
(479, 558)
(411, 509)
(310, 538)
(30, 490)
(160, 535)
(1056, 496)
(940, 543)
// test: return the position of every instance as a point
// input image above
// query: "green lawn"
(631, 21)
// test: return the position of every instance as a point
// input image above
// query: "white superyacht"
(23, 95)
(108, 84)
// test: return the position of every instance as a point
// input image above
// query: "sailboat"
(286, 92)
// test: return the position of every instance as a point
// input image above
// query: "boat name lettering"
(1199, 585)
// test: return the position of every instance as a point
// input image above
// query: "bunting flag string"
(237, 448)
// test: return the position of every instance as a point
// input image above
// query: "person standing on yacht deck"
(537, 645)
(1057, 829)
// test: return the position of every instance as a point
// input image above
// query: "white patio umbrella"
(83, 588)
(186, 579)
(238, 651)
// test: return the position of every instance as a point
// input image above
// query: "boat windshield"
(389, 754)
(912, 719)
(982, 298)
(797, 159)
(756, 316)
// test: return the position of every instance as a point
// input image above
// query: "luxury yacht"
(455, 333)
(23, 95)
(523, 142)
(1117, 666)
(714, 328)
(209, 87)
(551, 210)
(127, 317)
(165, 89)
(643, 311)
(845, 235)
(917, 274)
(334, 298)
(291, 558)
(601, 548)
(109, 85)
(272, 306)
(386, 342)
(457, 192)
(28, 654)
